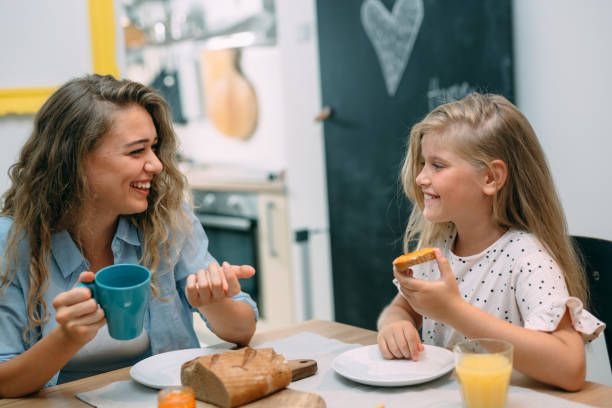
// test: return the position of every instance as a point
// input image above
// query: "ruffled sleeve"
(547, 318)
(542, 294)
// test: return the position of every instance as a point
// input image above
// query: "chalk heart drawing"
(392, 34)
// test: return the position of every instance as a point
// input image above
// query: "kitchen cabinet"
(277, 300)
(252, 216)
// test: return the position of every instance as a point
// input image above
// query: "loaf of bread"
(404, 262)
(236, 377)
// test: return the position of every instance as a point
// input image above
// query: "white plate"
(164, 370)
(367, 365)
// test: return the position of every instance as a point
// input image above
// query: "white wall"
(14, 130)
(42, 44)
(563, 71)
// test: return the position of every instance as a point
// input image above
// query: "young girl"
(97, 184)
(505, 266)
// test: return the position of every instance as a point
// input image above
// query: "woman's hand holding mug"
(77, 313)
(123, 292)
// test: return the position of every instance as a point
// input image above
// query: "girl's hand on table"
(432, 299)
(216, 283)
(399, 339)
(77, 313)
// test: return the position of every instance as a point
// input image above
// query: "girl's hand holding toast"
(432, 299)
(216, 283)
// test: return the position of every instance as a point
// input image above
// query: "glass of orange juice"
(181, 396)
(483, 367)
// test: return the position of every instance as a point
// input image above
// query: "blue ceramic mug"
(122, 291)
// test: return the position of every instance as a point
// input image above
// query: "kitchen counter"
(233, 178)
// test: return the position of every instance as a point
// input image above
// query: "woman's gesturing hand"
(77, 313)
(215, 283)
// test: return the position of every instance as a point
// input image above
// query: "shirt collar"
(68, 256)
(127, 232)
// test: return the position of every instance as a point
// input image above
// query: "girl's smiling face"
(121, 169)
(452, 187)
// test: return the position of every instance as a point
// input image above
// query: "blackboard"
(460, 46)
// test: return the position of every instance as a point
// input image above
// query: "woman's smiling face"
(121, 169)
(452, 186)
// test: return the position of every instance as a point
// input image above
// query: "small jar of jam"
(176, 397)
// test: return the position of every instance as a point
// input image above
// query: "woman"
(97, 184)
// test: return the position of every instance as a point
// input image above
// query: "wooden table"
(63, 395)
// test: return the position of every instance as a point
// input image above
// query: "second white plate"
(164, 370)
(367, 365)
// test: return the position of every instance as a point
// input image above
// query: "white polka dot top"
(516, 280)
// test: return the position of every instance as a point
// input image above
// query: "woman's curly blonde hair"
(49, 187)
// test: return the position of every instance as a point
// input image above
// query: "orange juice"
(484, 379)
(176, 397)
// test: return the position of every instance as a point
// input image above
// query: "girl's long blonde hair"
(49, 187)
(483, 128)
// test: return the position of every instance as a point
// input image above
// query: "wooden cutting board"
(283, 398)
(287, 397)
(231, 103)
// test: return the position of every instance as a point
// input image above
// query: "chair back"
(597, 255)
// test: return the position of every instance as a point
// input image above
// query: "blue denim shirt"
(169, 323)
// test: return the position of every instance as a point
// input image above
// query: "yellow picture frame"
(104, 58)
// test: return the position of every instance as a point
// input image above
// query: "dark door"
(384, 65)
